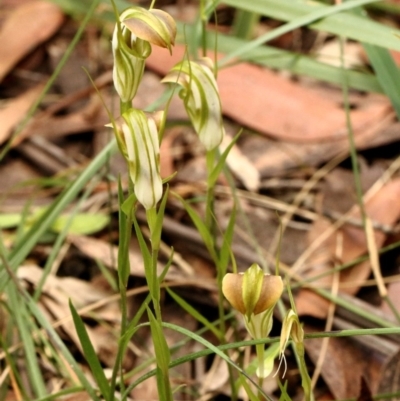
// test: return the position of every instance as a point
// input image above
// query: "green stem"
(124, 106)
(154, 285)
(260, 357)
(210, 223)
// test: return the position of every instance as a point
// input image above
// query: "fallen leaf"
(15, 110)
(54, 301)
(108, 254)
(346, 361)
(365, 392)
(273, 105)
(26, 27)
(92, 116)
(274, 158)
(383, 208)
(241, 166)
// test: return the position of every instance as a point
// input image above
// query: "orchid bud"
(137, 137)
(201, 99)
(291, 327)
(133, 35)
(254, 294)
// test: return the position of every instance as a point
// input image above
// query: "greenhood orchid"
(201, 99)
(134, 33)
(137, 137)
(254, 294)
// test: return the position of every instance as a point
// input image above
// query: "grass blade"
(387, 73)
(30, 239)
(90, 354)
(331, 19)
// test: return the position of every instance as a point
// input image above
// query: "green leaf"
(90, 354)
(212, 179)
(193, 312)
(226, 247)
(10, 220)
(201, 228)
(250, 393)
(296, 63)
(162, 358)
(129, 204)
(25, 328)
(125, 223)
(387, 73)
(284, 395)
(82, 223)
(158, 224)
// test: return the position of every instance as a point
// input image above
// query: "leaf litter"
(291, 129)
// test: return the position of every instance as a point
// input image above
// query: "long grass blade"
(90, 354)
(331, 19)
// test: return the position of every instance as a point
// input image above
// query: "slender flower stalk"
(201, 99)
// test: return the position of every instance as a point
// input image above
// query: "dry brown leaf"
(241, 166)
(26, 27)
(90, 117)
(384, 209)
(15, 110)
(344, 364)
(57, 291)
(276, 106)
(274, 158)
(108, 254)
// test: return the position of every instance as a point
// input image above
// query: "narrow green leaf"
(284, 395)
(331, 19)
(162, 358)
(142, 243)
(297, 64)
(59, 344)
(31, 237)
(90, 354)
(194, 313)
(226, 247)
(128, 205)
(125, 229)
(250, 393)
(215, 350)
(201, 227)
(158, 225)
(244, 24)
(160, 344)
(25, 329)
(212, 179)
(387, 72)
